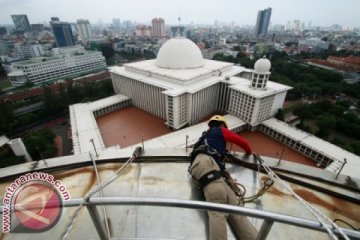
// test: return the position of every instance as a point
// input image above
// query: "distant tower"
(261, 73)
(84, 29)
(116, 24)
(297, 25)
(55, 19)
(262, 22)
(21, 22)
(62, 32)
(158, 27)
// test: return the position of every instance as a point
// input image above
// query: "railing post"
(142, 142)
(341, 168)
(264, 230)
(94, 214)
(92, 141)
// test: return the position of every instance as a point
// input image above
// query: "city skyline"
(319, 13)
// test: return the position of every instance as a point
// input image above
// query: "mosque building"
(182, 87)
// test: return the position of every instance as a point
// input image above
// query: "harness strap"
(205, 149)
(209, 177)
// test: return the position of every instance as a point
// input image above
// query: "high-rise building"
(84, 29)
(116, 24)
(21, 22)
(143, 31)
(262, 22)
(62, 32)
(158, 27)
(127, 26)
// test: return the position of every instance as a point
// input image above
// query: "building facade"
(71, 62)
(3, 31)
(84, 29)
(158, 27)
(63, 33)
(262, 22)
(21, 22)
(182, 88)
(28, 51)
(143, 31)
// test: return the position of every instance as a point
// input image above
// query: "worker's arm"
(229, 136)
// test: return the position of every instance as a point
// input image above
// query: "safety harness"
(201, 147)
(209, 177)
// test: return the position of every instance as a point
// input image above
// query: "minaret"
(261, 73)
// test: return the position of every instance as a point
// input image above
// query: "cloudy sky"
(319, 12)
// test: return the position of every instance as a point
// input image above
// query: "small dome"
(179, 53)
(262, 65)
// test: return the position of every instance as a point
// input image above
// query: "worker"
(206, 168)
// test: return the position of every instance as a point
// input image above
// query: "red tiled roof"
(333, 65)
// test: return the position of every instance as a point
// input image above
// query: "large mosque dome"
(262, 65)
(179, 53)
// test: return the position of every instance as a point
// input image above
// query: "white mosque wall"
(254, 112)
(144, 96)
(242, 105)
(278, 103)
(264, 110)
(204, 102)
(224, 97)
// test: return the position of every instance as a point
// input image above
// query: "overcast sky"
(319, 12)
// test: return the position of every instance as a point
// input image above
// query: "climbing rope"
(317, 213)
(240, 189)
(97, 188)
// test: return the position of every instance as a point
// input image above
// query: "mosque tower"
(261, 73)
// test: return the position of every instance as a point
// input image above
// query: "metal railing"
(269, 217)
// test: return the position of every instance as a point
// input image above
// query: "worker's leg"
(215, 192)
(242, 227)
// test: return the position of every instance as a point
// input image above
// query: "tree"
(2, 70)
(246, 62)
(237, 48)
(52, 103)
(108, 51)
(73, 92)
(64, 98)
(356, 147)
(303, 127)
(325, 123)
(7, 116)
(41, 144)
(280, 115)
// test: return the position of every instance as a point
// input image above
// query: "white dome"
(179, 53)
(262, 65)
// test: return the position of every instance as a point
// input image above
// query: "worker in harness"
(206, 168)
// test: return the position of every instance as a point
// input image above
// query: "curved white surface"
(262, 65)
(179, 53)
